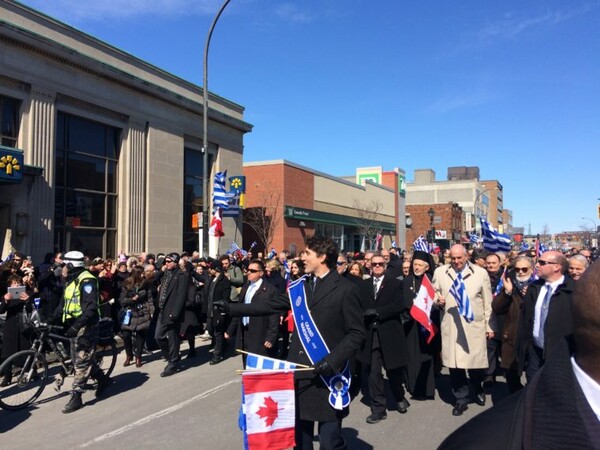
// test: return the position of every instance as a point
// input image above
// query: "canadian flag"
(421, 308)
(216, 224)
(268, 410)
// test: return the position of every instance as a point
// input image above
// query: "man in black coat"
(335, 308)
(255, 334)
(559, 408)
(385, 346)
(546, 316)
(172, 296)
(219, 289)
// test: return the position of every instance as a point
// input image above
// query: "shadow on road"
(353, 441)
(10, 419)
(122, 383)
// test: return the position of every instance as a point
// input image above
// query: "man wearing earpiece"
(79, 316)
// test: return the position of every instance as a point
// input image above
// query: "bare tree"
(265, 218)
(367, 223)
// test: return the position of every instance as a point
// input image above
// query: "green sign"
(293, 212)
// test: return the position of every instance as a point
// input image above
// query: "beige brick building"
(111, 144)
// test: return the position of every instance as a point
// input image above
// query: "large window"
(193, 197)
(86, 186)
(9, 121)
(335, 232)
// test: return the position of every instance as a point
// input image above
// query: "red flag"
(216, 225)
(421, 309)
(270, 410)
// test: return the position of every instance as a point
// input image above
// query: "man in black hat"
(218, 289)
(172, 295)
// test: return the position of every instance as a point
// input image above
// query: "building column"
(131, 227)
(39, 151)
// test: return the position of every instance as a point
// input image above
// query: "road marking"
(158, 414)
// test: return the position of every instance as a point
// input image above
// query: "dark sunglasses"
(542, 262)
(254, 270)
(521, 269)
(375, 264)
(168, 260)
(340, 263)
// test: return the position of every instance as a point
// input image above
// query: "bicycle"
(30, 367)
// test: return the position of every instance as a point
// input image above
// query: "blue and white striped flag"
(394, 245)
(220, 196)
(543, 248)
(287, 274)
(494, 241)
(259, 362)
(421, 244)
(524, 246)
(459, 292)
(272, 254)
(473, 238)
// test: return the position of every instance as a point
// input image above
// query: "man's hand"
(221, 306)
(71, 332)
(508, 285)
(226, 335)
(323, 368)
(268, 344)
(371, 313)
(490, 334)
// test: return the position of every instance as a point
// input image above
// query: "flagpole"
(304, 366)
(205, 172)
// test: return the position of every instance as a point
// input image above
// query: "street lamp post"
(431, 214)
(477, 199)
(595, 232)
(205, 172)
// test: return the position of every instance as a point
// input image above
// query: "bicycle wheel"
(29, 375)
(106, 356)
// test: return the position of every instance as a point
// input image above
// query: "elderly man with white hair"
(577, 265)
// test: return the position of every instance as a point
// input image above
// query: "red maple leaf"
(268, 411)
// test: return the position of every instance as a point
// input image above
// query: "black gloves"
(323, 368)
(221, 306)
(71, 332)
(371, 313)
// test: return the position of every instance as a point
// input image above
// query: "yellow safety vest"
(72, 305)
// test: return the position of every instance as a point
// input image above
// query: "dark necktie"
(544, 314)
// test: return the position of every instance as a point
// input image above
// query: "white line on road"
(158, 414)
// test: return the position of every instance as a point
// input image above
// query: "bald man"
(560, 409)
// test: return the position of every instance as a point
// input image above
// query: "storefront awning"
(293, 212)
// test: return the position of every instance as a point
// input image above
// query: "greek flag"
(421, 244)
(259, 362)
(493, 241)
(272, 254)
(288, 273)
(524, 246)
(220, 196)
(394, 245)
(473, 238)
(543, 248)
(459, 292)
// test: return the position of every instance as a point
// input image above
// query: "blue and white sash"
(315, 347)
(459, 292)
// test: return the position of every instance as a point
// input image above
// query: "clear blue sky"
(510, 86)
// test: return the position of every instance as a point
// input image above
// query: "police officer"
(80, 317)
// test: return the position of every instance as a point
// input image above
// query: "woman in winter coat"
(15, 338)
(136, 313)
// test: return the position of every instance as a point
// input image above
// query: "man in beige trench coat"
(464, 342)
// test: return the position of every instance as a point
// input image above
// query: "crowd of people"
(519, 310)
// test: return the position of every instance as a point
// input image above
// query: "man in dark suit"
(385, 346)
(172, 295)
(255, 334)
(219, 289)
(546, 316)
(335, 308)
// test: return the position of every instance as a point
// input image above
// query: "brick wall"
(449, 213)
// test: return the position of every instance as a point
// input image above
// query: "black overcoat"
(336, 311)
(389, 304)
(177, 294)
(260, 328)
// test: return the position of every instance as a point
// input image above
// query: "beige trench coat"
(464, 344)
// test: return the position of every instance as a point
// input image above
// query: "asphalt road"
(198, 409)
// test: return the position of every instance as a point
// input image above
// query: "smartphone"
(15, 291)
